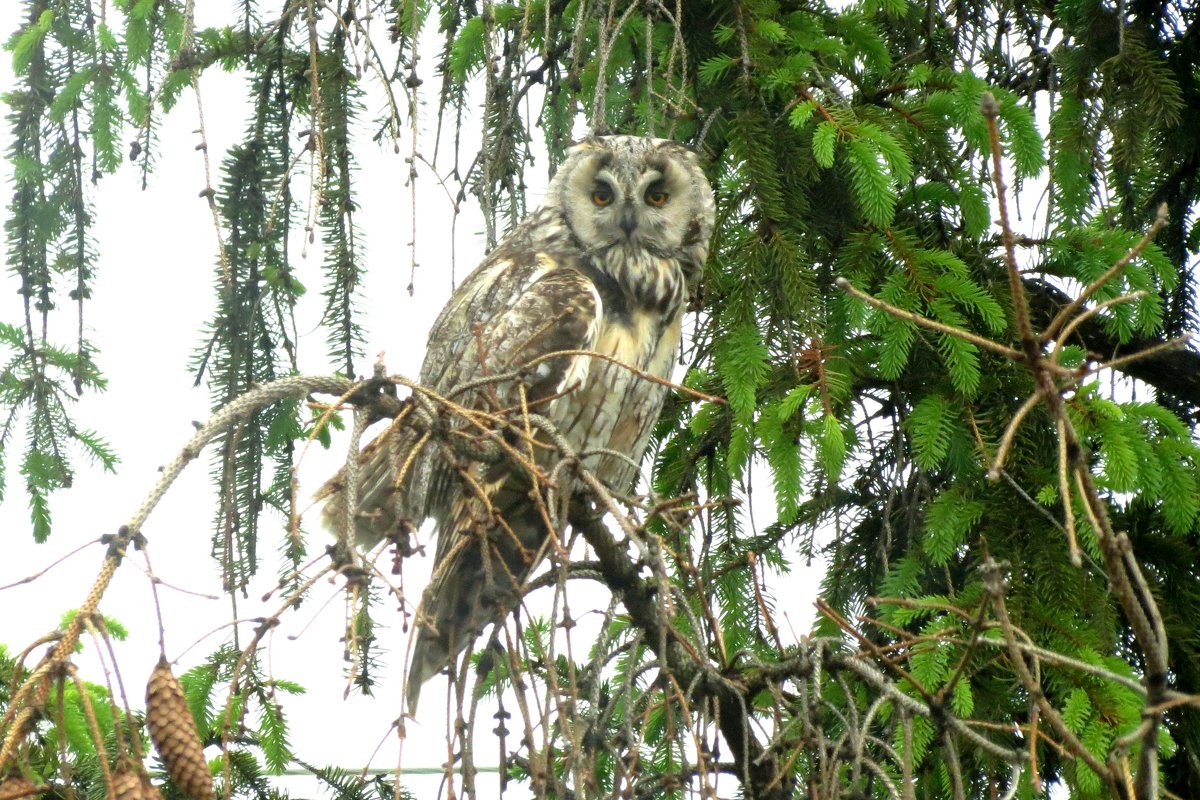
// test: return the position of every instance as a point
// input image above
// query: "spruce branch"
(1051, 381)
(991, 110)
(1127, 582)
(1119, 363)
(1068, 312)
(1090, 313)
(994, 581)
(926, 322)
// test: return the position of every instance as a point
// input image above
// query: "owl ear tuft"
(589, 142)
(680, 148)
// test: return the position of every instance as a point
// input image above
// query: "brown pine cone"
(174, 734)
(132, 784)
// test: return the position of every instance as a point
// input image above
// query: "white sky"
(152, 294)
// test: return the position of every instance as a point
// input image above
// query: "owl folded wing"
(500, 331)
(513, 335)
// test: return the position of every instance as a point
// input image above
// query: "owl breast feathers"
(603, 266)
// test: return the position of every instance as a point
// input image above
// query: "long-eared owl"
(602, 267)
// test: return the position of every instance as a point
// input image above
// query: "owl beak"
(628, 223)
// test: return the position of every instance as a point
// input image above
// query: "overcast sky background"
(152, 294)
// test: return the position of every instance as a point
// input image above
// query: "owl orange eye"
(657, 197)
(602, 196)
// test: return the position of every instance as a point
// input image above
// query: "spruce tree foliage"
(843, 142)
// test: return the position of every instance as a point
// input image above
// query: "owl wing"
(518, 312)
(511, 311)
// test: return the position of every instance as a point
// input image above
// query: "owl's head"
(636, 193)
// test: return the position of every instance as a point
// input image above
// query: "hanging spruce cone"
(17, 787)
(132, 784)
(173, 732)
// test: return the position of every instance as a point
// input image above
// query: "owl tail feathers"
(429, 657)
(434, 650)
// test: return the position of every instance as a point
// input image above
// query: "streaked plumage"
(604, 266)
